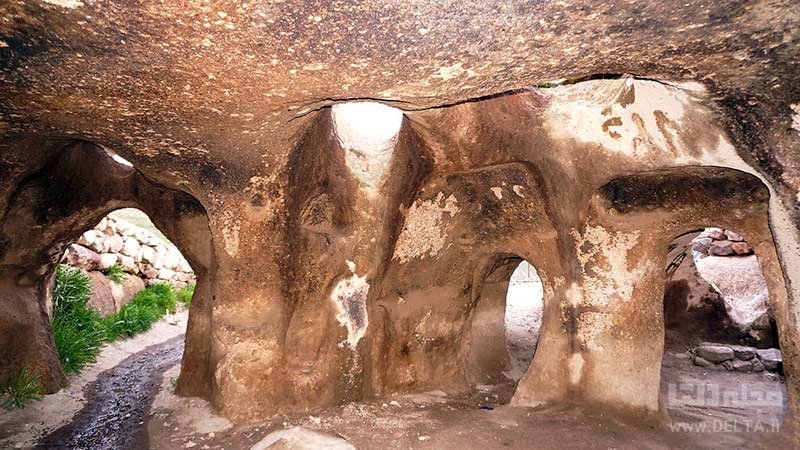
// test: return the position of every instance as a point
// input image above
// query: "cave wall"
(315, 289)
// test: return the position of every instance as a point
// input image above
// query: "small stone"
(727, 365)
(744, 353)
(423, 438)
(732, 236)
(742, 248)
(699, 361)
(714, 353)
(701, 245)
(717, 235)
(721, 248)
(758, 366)
(742, 366)
(189, 444)
(770, 357)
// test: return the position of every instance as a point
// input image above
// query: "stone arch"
(48, 210)
(487, 344)
(645, 211)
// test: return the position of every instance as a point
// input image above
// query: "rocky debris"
(80, 256)
(108, 296)
(718, 242)
(737, 357)
(771, 358)
(702, 362)
(299, 438)
(743, 353)
(137, 251)
(714, 353)
(742, 366)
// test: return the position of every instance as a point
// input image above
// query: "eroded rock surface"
(224, 112)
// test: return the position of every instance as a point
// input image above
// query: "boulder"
(114, 243)
(102, 297)
(184, 277)
(699, 361)
(299, 438)
(728, 365)
(744, 353)
(714, 353)
(742, 366)
(130, 247)
(81, 257)
(742, 248)
(716, 234)
(166, 274)
(124, 292)
(771, 358)
(758, 366)
(171, 259)
(721, 248)
(183, 266)
(701, 244)
(148, 270)
(734, 237)
(107, 260)
(89, 237)
(128, 264)
(148, 254)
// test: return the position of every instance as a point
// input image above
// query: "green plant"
(147, 307)
(115, 273)
(20, 390)
(78, 330)
(184, 294)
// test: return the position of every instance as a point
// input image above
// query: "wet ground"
(118, 403)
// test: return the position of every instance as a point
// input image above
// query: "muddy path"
(118, 403)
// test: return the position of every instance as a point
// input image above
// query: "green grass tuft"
(115, 273)
(20, 390)
(77, 329)
(139, 315)
(184, 294)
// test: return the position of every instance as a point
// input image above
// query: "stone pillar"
(26, 340)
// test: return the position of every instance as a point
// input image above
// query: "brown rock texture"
(320, 281)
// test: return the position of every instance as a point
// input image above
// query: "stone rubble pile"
(737, 357)
(137, 251)
(719, 242)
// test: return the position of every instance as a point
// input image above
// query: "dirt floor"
(436, 420)
(130, 404)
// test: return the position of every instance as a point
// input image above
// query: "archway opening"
(523, 318)
(505, 323)
(722, 366)
(116, 281)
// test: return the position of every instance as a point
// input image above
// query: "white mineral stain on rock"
(368, 132)
(796, 117)
(628, 116)
(518, 190)
(575, 368)
(603, 256)
(454, 71)
(65, 3)
(424, 233)
(350, 299)
(498, 192)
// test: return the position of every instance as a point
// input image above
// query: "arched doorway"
(722, 367)
(505, 323)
